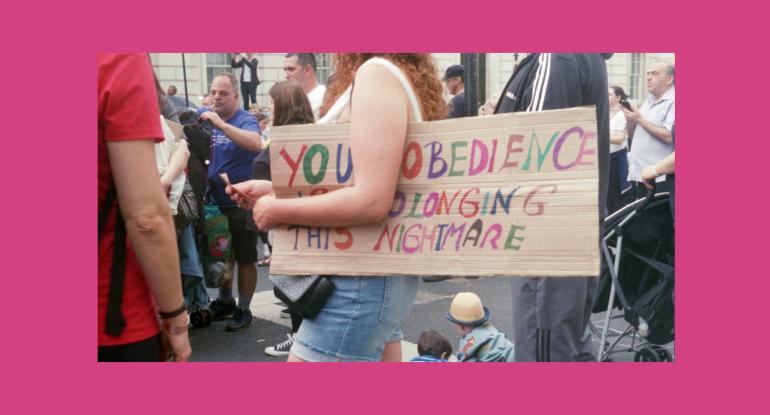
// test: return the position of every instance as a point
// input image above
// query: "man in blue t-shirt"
(235, 143)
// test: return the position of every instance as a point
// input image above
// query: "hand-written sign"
(512, 194)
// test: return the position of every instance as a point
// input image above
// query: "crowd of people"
(148, 266)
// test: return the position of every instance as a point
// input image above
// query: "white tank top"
(344, 100)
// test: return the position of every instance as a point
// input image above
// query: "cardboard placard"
(510, 194)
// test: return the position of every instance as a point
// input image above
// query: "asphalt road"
(214, 344)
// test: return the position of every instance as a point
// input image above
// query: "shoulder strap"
(396, 71)
(115, 319)
(336, 109)
(104, 212)
(344, 100)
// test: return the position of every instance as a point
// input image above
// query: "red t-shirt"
(128, 110)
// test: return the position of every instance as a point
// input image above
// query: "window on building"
(217, 63)
(323, 66)
(635, 75)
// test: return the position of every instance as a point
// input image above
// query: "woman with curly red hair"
(362, 318)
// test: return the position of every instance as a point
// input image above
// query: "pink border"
(49, 339)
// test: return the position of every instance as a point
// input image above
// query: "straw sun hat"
(466, 310)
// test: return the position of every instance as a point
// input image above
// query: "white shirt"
(316, 98)
(163, 152)
(618, 124)
(647, 150)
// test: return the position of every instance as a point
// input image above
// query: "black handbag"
(187, 209)
(305, 295)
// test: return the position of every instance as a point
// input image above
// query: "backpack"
(218, 253)
(218, 237)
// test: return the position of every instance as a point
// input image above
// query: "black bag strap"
(115, 319)
(104, 212)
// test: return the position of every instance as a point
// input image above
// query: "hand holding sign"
(511, 194)
(264, 215)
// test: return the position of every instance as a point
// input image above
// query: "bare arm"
(378, 131)
(176, 165)
(148, 218)
(660, 133)
(247, 140)
(665, 166)
(618, 137)
(635, 117)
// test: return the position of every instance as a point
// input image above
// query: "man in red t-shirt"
(129, 125)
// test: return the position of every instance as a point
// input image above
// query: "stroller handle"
(646, 201)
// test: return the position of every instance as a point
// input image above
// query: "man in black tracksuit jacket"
(550, 314)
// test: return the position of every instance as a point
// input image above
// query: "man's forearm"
(245, 139)
(660, 133)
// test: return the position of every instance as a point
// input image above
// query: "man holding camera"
(649, 127)
(235, 143)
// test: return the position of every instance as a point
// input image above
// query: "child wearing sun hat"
(480, 341)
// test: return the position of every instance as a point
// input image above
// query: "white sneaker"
(282, 348)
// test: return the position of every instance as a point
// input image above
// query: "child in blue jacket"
(480, 342)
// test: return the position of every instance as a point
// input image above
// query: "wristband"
(655, 171)
(174, 330)
(174, 313)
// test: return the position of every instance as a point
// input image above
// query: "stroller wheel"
(201, 317)
(646, 355)
(663, 354)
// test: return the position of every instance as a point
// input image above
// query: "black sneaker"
(241, 319)
(222, 309)
(282, 348)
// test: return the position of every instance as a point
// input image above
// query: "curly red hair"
(419, 68)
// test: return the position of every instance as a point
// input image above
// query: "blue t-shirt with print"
(226, 157)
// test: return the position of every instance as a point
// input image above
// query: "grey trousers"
(550, 316)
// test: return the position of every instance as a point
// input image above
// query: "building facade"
(624, 69)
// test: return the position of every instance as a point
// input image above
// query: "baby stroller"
(638, 278)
